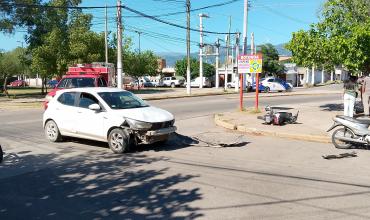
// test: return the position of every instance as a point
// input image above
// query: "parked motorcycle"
(278, 116)
(350, 131)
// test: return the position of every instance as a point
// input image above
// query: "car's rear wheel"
(267, 89)
(52, 132)
(118, 141)
(173, 85)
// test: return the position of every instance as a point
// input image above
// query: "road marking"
(22, 122)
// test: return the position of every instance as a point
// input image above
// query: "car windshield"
(122, 100)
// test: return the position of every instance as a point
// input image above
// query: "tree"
(10, 64)
(140, 64)
(270, 60)
(48, 40)
(12, 16)
(341, 38)
(181, 65)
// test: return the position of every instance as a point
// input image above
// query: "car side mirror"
(94, 107)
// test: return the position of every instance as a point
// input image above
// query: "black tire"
(229, 86)
(343, 132)
(118, 141)
(52, 132)
(267, 89)
(173, 85)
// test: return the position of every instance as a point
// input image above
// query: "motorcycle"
(350, 131)
(278, 116)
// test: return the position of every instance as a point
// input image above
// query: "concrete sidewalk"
(313, 121)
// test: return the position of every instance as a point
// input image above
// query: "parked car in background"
(197, 81)
(110, 115)
(261, 88)
(52, 83)
(276, 85)
(18, 83)
(231, 84)
(173, 81)
(147, 83)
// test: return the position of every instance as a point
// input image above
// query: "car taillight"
(46, 105)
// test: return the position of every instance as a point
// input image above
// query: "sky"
(271, 21)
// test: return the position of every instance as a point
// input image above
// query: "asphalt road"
(261, 178)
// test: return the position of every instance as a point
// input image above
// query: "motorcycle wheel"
(342, 132)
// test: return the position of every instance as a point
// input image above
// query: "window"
(102, 83)
(270, 80)
(67, 83)
(67, 98)
(62, 83)
(122, 100)
(173, 78)
(87, 99)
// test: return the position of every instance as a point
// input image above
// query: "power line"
(191, 10)
(170, 23)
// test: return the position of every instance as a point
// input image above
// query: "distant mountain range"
(171, 58)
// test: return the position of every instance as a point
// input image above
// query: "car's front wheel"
(118, 141)
(52, 132)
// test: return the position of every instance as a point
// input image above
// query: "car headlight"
(139, 125)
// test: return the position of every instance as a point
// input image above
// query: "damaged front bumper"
(153, 136)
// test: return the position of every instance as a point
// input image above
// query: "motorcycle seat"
(355, 120)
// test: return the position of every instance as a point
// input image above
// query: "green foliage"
(181, 65)
(140, 64)
(58, 38)
(342, 37)
(10, 63)
(270, 61)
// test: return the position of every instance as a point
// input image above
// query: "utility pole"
(106, 35)
(119, 45)
(217, 62)
(227, 54)
(22, 62)
(245, 26)
(201, 16)
(236, 61)
(252, 43)
(188, 86)
(139, 33)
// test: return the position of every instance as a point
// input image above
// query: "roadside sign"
(250, 63)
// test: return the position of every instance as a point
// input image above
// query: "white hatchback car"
(110, 115)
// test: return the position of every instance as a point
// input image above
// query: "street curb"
(220, 121)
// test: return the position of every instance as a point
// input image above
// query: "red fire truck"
(85, 75)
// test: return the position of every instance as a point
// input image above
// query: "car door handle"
(105, 117)
(79, 112)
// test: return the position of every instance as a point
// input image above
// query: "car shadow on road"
(97, 186)
(176, 141)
